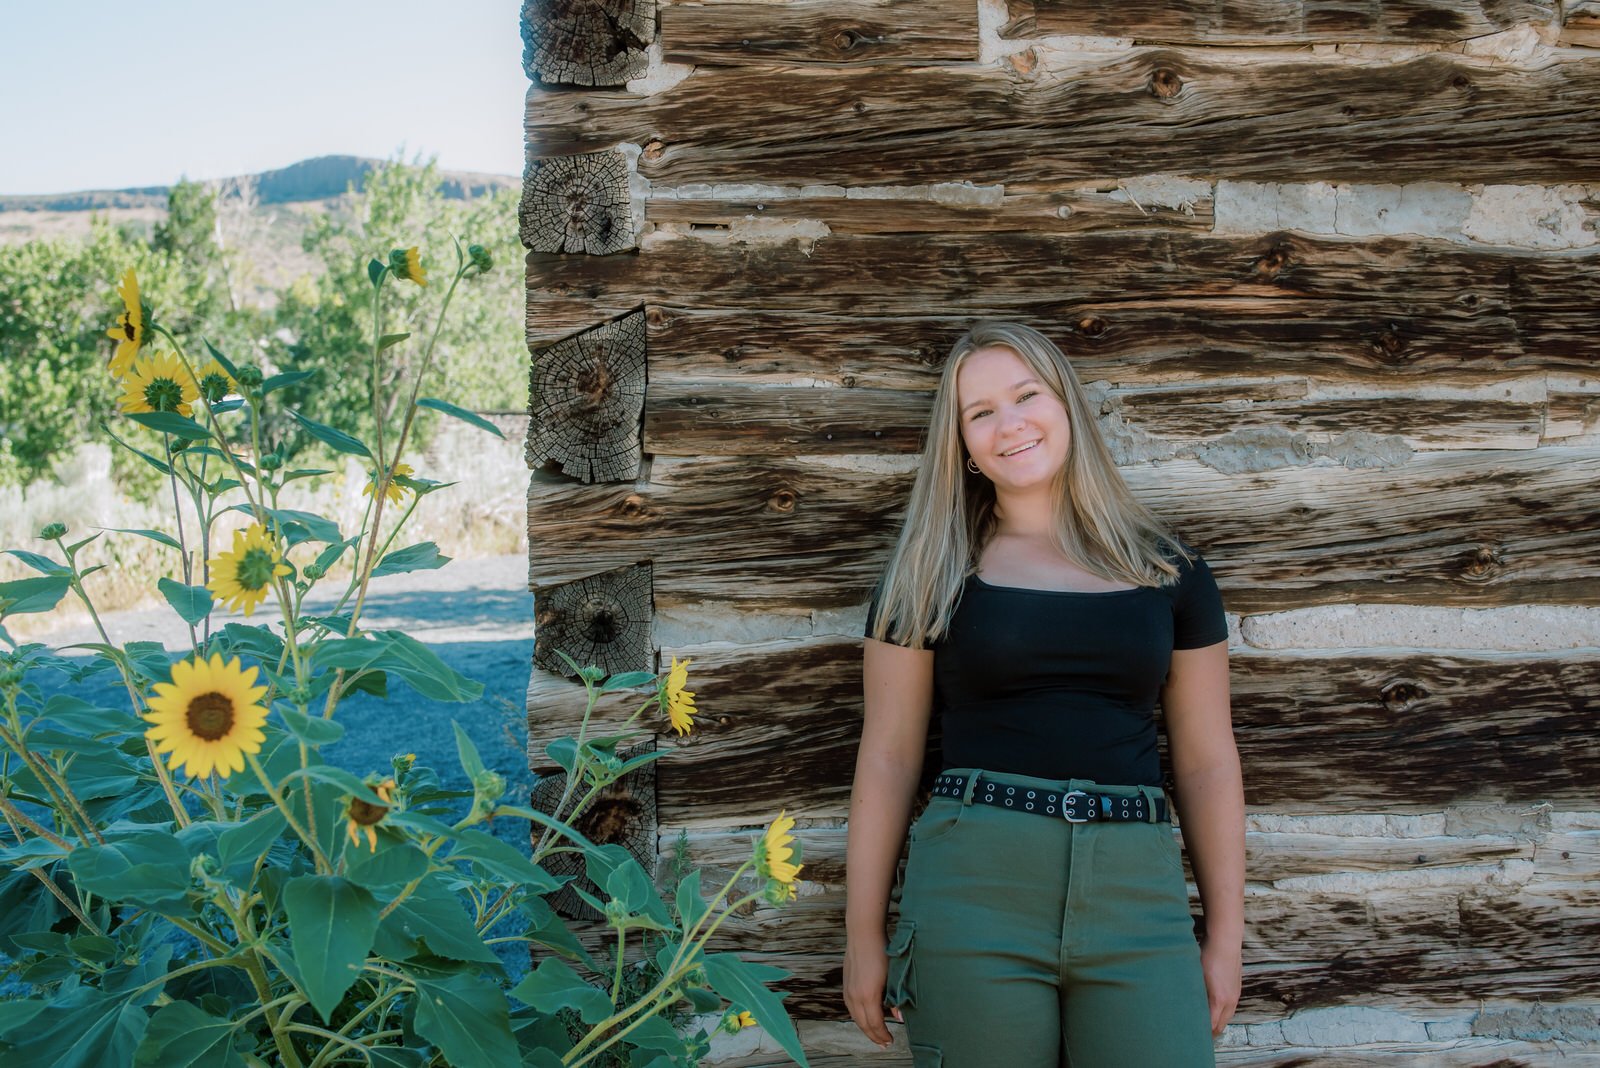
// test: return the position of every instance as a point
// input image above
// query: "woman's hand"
(866, 971)
(1222, 965)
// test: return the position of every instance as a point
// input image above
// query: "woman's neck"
(1031, 516)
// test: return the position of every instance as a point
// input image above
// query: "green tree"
(324, 322)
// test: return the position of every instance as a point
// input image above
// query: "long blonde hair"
(1100, 525)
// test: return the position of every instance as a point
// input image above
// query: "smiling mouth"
(1021, 449)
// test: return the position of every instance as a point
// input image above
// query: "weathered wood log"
(1571, 414)
(1437, 117)
(602, 619)
(1464, 528)
(820, 31)
(1454, 1053)
(696, 417)
(1398, 733)
(577, 204)
(1580, 23)
(1275, 22)
(587, 397)
(1378, 307)
(587, 42)
(622, 814)
(953, 210)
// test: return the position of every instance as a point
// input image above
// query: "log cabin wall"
(1331, 272)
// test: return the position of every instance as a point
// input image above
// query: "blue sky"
(101, 95)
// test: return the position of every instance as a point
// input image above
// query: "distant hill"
(310, 179)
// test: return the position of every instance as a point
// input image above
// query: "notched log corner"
(587, 401)
(577, 204)
(587, 42)
(623, 814)
(603, 620)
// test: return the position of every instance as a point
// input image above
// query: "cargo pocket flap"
(899, 988)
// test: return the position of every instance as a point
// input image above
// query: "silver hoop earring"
(973, 466)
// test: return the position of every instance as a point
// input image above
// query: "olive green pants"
(1026, 941)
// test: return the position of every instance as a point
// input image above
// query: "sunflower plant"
(185, 879)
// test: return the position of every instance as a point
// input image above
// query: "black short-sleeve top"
(1064, 685)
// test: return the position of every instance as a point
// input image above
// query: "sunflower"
(678, 701)
(736, 1021)
(406, 263)
(208, 717)
(394, 490)
(158, 382)
(241, 577)
(365, 816)
(216, 382)
(773, 858)
(129, 331)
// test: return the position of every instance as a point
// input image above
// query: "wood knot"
(1402, 696)
(1273, 263)
(842, 40)
(655, 315)
(654, 151)
(732, 353)
(1092, 326)
(1483, 564)
(848, 381)
(782, 501)
(1347, 111)
(1460, 81)
(612, 818)
(1164, 83)
(859, 107)
(1390, 344)
(600, 620)
(634, 506)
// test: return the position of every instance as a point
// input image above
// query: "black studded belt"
(1075, 806)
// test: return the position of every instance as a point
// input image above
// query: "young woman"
(1044, 611)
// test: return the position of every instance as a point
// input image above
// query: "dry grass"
(484, 514)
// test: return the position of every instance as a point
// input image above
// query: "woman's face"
(1017, 431)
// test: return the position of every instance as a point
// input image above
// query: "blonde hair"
(1100, 525)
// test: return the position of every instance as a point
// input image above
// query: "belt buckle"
(1064, 811)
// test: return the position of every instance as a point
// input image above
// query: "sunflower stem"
(288, 814)
(50, 885)
(68, 808)
(211, 420)
(177, 511)
(15, 815)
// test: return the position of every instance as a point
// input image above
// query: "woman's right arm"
(897, 687)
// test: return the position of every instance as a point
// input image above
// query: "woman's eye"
(978, 415)
(1030, 393)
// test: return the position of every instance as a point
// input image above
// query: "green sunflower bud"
(53, 531)
(250, 377)
(480, 258)
(313, 572)
(270, 462)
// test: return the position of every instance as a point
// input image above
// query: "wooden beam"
(1462, 528)
(587, 397)
(1437, 117)
(577, 204)
(1276, 22)
(820, 31)
(601, 619)
(587, 42)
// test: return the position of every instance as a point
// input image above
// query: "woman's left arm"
(1210, 800)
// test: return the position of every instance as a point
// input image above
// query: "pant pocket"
(900, 988)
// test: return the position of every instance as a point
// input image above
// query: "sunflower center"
(128, 329)
(210, 716)
(365, 812)
(255, 569)
(163, 395)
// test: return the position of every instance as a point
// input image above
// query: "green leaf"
(337, 438)
(467, 1017)
(628, 680)
(227, 364)
(153, 535)
(375, 269)
(471, 762)
(239, 847)
(460, 413)
(149, 868)
(253, 639)
(691, 907)
(284, 379)
(313, 730)
(77, 714)
(331, 925)
(544, 819)
(424, 556)
(22, 596)
(179, 426)
(330, 556)
(43, 564)
(388, 341)
(85, 1028)
(434, 917)
(151, 460)
(554, 986)
(403, 656)
(502, 860)
(192, 603)
(305, 472)
(742, 982)
(394, 863)
(339, 778)
(181, 1036)
(16, 1014)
